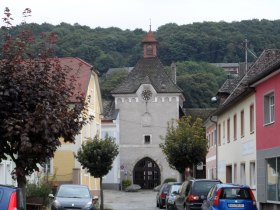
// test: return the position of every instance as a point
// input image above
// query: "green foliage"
(199, 81)
(170, 180)
(185, 144)
(126, 183)
(109, 82)
(34, 100)
(97, 155)
(212, 42)
(41, 191)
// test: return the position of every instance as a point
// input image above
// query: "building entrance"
(146, 173)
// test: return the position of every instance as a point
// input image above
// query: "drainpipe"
(216, 141)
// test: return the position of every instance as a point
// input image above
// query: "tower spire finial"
(150, 24)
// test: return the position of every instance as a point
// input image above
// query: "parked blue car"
(230, 196)
(11, 198)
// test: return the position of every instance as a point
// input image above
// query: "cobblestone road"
(119, 200)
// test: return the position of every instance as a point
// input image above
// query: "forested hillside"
(212, 42)
(191, 46)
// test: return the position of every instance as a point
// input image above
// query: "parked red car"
(161, 195)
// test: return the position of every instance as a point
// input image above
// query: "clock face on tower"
(146, 94)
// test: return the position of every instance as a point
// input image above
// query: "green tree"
(185, 144)
(199, 81)
(97, 156)
(109, 81)
(36, 101)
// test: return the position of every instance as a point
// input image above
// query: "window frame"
(224, 131)
(150, 138)
(228, 130)
(253, 174)
(243, 173)
(252, 118)
(269, 108)
(242, 123)
(234, 127)
(219, 134)
(273, 177)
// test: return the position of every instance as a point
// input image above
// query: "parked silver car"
(71, 196)
(171, 195)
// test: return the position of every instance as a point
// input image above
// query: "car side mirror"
(51, 196)
(95, 199)
(175, 192)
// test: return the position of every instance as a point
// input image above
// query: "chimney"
(173, 72)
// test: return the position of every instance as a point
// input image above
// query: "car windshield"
(203, 187)
(235, 193)
(175, 188)
(73, 192)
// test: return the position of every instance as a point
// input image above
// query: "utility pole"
(246, 52)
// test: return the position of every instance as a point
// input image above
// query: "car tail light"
(191, 198)
(253, 197)
(217, 197)
(162, 195)
(13, 202)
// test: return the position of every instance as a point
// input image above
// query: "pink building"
(267, 87)
(211, 158)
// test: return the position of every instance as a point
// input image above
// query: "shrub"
(126, 183)
(170, 180)
(41, 192)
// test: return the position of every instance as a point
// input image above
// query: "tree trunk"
(21, 181)
(101, 195)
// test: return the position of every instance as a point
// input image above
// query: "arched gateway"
(146, 173)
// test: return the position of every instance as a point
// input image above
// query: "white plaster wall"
(112, 129)
(162, 109)
(242, 150)
(6, 168)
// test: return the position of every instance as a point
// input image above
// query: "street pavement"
(121, 200)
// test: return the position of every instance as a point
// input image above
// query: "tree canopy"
(185, 144)
(109, 81)
(36, 101)
(97, 156)
(212, 42)
(200, 81)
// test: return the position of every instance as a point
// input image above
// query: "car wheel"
(160, 205)
(167, 207)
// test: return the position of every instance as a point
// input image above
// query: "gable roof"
(148, 71)
(269, 70)
(149, 37)
(85, 72)
(228, 85)
(80, 67)
(110, 112)
(202, 113)
(265, 60)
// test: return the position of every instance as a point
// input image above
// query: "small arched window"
(149, 49)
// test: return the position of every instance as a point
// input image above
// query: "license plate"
(236, 205)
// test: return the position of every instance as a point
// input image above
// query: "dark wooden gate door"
(146, 173)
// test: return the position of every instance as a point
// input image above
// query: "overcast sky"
(132, 14)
